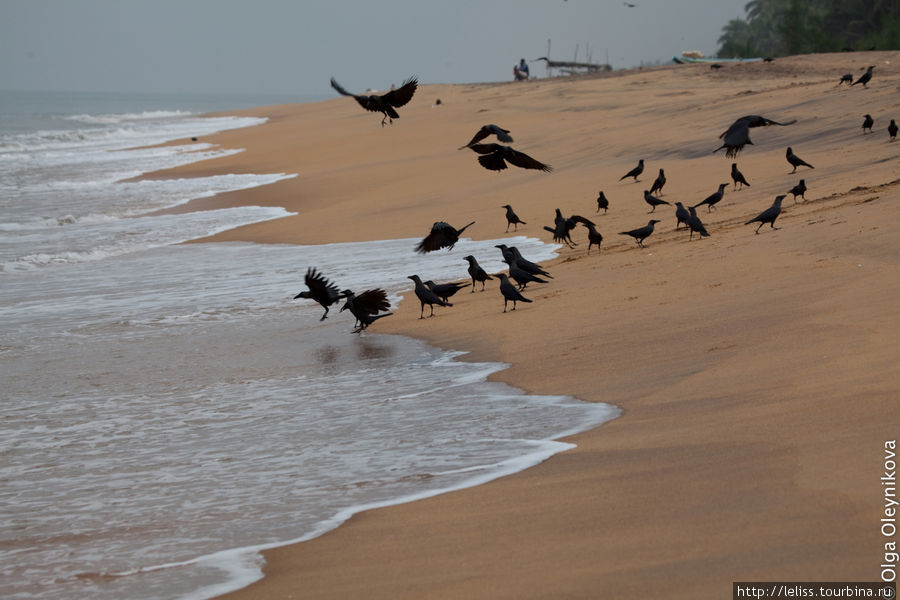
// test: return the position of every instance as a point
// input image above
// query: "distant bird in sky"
(848, 77)
(892, 130)
(510, 292)
(695, 224)
(602, 203)
(384, 103)
(653, 201)
(442, 235)
(868, 121)
(658, 183)
(799, 190)
(487, 130)
(635, 172)
(641, 233)
(366, 307)
(319, 289)
(714, 198)
(795, 160)
(865, 77)
(426, 296)
(629, 4)
(738, 177)
(512, 218)
(476, 272)
(738, 134)
(495, 156)
(769, 215)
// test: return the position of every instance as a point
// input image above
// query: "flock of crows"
(372, 305)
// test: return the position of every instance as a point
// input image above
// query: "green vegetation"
(782, 27)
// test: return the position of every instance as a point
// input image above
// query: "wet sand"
(758, 374)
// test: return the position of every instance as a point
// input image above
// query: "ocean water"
(169, 410)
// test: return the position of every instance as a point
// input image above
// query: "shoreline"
(712, 474)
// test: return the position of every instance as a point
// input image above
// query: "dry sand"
(758, 374)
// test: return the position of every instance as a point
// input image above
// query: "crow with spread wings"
(738, 135)
(385, 103)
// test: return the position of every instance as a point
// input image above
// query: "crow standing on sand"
(366, 307)
(653, 201)
(445, 290)
(714, 198)
(511, 253)
(769, 215)
(642, 233)
(658, 183)
(848, 77)
(495, 156)
(681, 215)
(487, 130)
(443, 235)
(385, 103)
(594, 237)
(426, 296)
(865, 77)
(512, 218)
(892, 130)
(510, 292)
(476, 272)
(602, 203)
(320, 289)
(635, 171)
(738, 177)
(562, 228)
(738, 135)
(868, 121)
(523, 277)
(799, 190)
(695, 224)
(795, 160)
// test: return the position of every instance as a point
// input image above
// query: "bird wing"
(320, 287)
(442, 234)
(520, 159)
(493, 161)
(580, 219)
(485, 148)
(372, 301)
(402, 94)
(502, 134)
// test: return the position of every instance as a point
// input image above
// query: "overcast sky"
(295, 46)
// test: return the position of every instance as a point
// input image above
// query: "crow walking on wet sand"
(769, 215)
(488, 130)
(799, 190)
(658, 183)
(511, 253)
(476, 272)
(495, 156)
(510, 292)
(892, 130)
(865, 77)
(445, 290)
(426, 296)
(653, 201)
(795, 160)
(738, 134)
(714, 198)
(442, 235)
(695, 224)
(642, 233)
(366, 307)
(594, 237)
(320, 289)
(602, 203)
(384, 103)
(562, 228)
(738, 177)
(868, 121)
(512, 218)
(635, 172)
(681, 215)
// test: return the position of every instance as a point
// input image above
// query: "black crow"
(512, 218)
(642, 233)
(443, 235)
(795, 160)
(735, 137)
(320, 289)
(476, 272)
(495, 156)
(635, 171)
(385, 103)
(487, 130)
(769, 215)
(426, 296)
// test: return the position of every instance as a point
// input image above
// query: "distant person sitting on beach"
(520, 71)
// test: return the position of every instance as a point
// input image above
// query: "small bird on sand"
(695, 224)
(714, 198)
(495, 156)
(769, 215)
(865, 77)
(652, 200)
(445, 290)
(635, 172)
(476, 272)
(488, 130)
(511, 253)
(366, 307)
(848, 77)
(738, 134)
(602, 203)
(892, 130)
(681, 215)
(510, 292)
(384, 103)
(738, 177)
(594, 237)
(512, 218)
(795, 160)
(642, 233)
(799, 190)
(320, 289)
(523, 277)
(658, 183)
(442, 235)
(426, 296)
(868, 121)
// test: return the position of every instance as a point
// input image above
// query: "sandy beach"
(758, 375)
